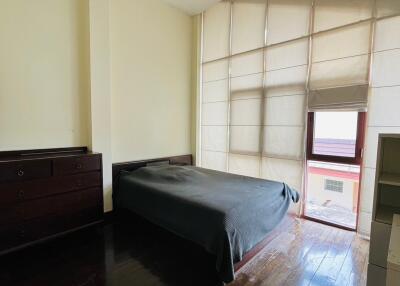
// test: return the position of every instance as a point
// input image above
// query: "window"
(334, 152)
(335, 136)
(334, 186)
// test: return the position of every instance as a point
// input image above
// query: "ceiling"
(192, 7)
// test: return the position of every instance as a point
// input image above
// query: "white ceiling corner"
(192, 7)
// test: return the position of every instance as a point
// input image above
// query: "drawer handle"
(21, 194)
(79, 184)
(20, 173)
(22, 233)
(79, 166)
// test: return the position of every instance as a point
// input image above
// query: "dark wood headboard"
(133, 165)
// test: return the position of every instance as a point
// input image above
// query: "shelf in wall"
(384, 213)
(390, 179)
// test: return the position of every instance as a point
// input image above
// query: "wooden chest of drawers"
(44, 193)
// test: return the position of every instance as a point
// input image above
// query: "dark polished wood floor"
(304, 253)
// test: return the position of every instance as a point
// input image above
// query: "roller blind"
(285, 78)
(341, 52)
(216, 31)
(247, 83)
(266, 63)
(215, 86)
(257, 87)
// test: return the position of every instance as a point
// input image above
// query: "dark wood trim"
(34, 152)
(362, 127)
(328, 223)
(133, 165)
(337, 159)
(357, 160)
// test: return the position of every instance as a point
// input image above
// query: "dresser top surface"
(10, 156)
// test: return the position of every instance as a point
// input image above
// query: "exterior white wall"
(316, 191)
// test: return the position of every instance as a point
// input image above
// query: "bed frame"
(133, 165)
(188, 160)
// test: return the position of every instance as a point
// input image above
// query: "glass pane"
(335, 134)
(332, 192)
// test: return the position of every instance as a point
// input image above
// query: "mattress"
(226, 214)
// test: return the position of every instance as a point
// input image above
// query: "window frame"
(356, 160)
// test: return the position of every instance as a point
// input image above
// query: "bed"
(228, 215)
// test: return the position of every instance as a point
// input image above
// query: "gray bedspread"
(226, 214)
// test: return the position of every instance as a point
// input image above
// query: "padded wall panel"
(244, 165)
(286, 81)
(287, 19)
(387, 35)
(247, 87)
(246, 112)
(387, 7)
(215, 113)
(364, 223)
(367, 190)
(384, 106)
(334, 13)
(284, 110)
(283, 141)
(245, 139)
(340, 72)
(287, 55)
(281, 170)
(248, 25)
(214, 138)
(214, 160)
(216, 27)
(247, 63)
(386, 68)
(215, 70)
(215, 91)
(349, 41)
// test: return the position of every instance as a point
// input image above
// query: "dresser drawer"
(62, 204)
(51, 206)
(24, 170)
(27, 190)
(81, 200)
(47, 192)
(50, 225)
(20, 212)
(11, 214)
(73, 165)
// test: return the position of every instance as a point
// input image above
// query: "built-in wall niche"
(387, 193)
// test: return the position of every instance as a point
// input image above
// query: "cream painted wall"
(150, 51)
(71, 70)
(44, 73)
(196, 86)
(100, 91)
